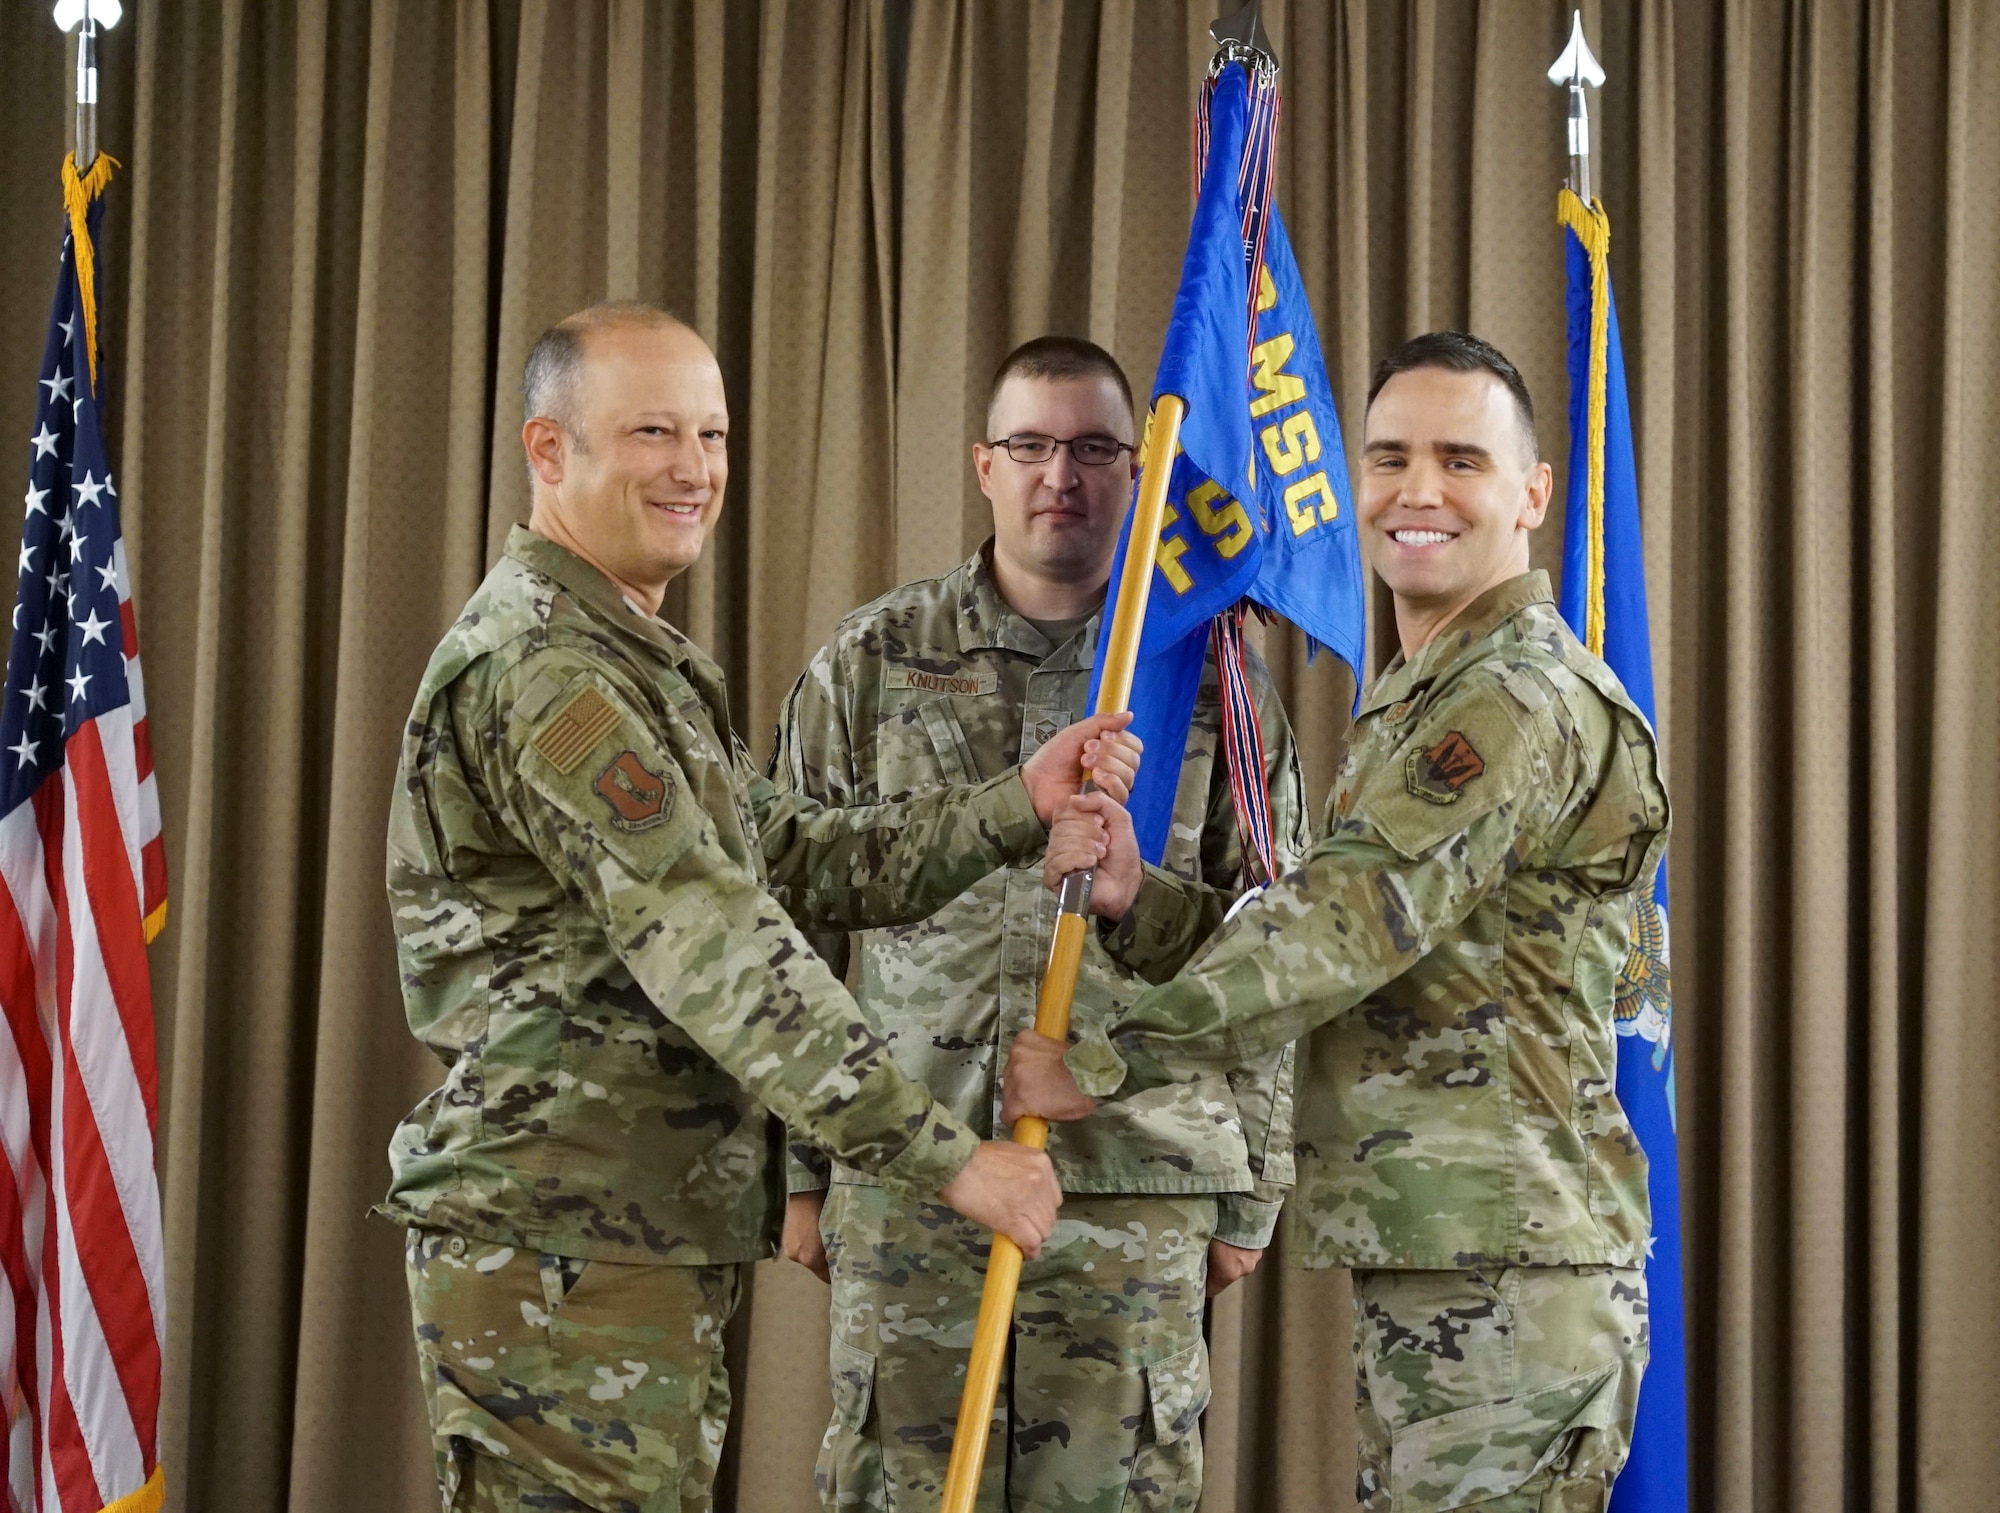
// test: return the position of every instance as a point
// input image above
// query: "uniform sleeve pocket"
(609, 781)
(853, 1372)
(1466, 759)
(1278, 1163)
(1491, 1450)
(1177, 1388)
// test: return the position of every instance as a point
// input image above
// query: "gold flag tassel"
(78, 192)
(1593, 229)
(153, 1496)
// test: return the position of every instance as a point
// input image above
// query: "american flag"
(84, 873)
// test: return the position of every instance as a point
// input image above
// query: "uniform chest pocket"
(922, 747)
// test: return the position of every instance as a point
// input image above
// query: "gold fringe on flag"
(1593, 229)
(153, 1496)
(78, 192)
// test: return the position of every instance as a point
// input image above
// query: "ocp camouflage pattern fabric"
(1100, 1401)
(1510, 1390)
(556, 1384)
(1450, 950)
(942, 682)
(590, 884)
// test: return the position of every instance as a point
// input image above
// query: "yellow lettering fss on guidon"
(1291, 444)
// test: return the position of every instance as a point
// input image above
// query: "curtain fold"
(342, 224)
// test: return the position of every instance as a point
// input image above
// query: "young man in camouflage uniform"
(1451, 950)
(1171, 1194)
(589, 883)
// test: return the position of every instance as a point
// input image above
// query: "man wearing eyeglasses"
(1170, 1197)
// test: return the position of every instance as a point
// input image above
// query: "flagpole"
(1114, 691)
(1240, 38)
(86, 16)
(86, 93)
(1603, 529)
(1578, 67)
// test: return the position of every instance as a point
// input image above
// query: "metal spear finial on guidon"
(1241, 37)
(1577, 67)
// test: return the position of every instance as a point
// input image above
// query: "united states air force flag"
(1258, 507)
(1604, 600)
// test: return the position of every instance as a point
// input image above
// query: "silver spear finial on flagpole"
(86, 16)
(1577, 67)
(1240, 37)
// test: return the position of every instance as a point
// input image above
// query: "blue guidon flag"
(1604, 600)
(1259, 511)
(83, 888)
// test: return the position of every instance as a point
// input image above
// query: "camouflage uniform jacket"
(1452, 950)
(941, 681)
(586, 874)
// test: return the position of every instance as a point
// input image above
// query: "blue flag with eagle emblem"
(1258, 508)
(1604, 600)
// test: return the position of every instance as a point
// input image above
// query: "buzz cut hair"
(553, 372)
(1059, 357)
(1460, 352)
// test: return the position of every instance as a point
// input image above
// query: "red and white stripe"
(81, 1258)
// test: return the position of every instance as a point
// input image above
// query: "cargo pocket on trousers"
(849, 1471)
(1177, 1393)
(1167, 1472)
(1493, 1449)
(853, 1384)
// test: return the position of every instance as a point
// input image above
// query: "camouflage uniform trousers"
(563, 1386)
(1106, 1376)
(1509, 1390)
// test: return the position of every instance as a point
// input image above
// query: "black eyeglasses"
(1091, 451)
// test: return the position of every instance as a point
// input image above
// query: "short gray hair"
(554, 369)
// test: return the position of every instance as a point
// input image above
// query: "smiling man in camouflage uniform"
(1172, 1194)
(590, 885)
(1451, 952)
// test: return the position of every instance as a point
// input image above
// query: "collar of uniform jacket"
(607, 604)
(986, 621)
(1473, 624)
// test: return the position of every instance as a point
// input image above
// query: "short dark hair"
(555, 363)
(1460, 352)
(1060, 357)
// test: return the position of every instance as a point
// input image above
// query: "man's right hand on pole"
(1038, 1081)
(1010, 1189)
(1093, 830)
(1097, 747)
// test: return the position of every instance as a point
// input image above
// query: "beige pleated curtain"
(340, 226)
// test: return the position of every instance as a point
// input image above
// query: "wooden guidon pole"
(1114, 692)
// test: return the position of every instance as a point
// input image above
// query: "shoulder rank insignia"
(1440, 773)
(638, 799)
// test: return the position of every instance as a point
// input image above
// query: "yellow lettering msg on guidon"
(1291, 443)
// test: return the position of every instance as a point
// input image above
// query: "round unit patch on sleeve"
(637, 797)
(1439, 773)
